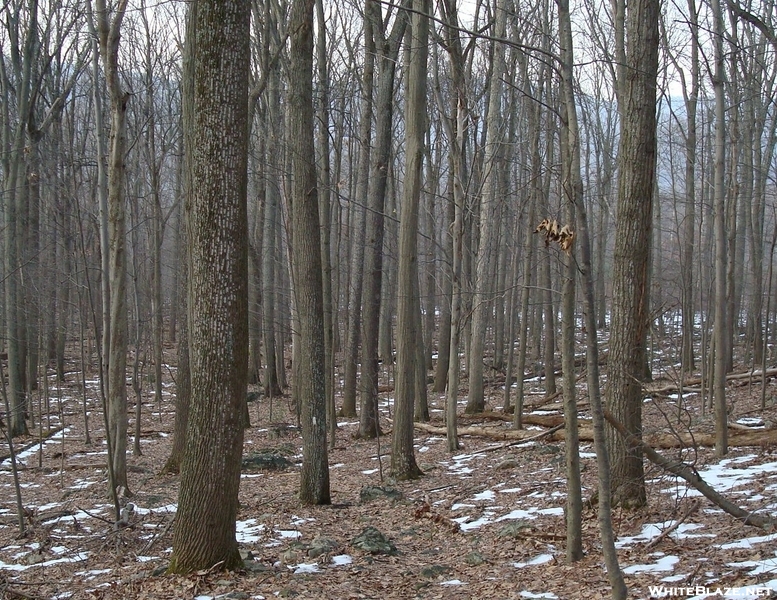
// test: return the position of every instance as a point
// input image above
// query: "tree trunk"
(218, 294)
(358, 216)
(722, 334)
(325, 217)
(115, 351)
(636, 184)
(374, 230)
(270, 251)
(604, 514)
(403, 463)
(306, 262)
(489, 205)
(14, 196)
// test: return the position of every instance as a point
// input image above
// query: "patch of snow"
(532, 513)
(342, 559)
(758, 567)
(91, 574)
(754, 422)
(289, 533)
(727, 474)
(168, 508)
(664, 563)
(485, 495)
(537, 560)
(653, 530)
(247, 531)
(748, 542)
(305, 568)
(467, 525)
(453, 582)
(549, 595)
(77, 557)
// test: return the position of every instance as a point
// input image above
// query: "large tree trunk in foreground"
(218, 290)
(630, 291)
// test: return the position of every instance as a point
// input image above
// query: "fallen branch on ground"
(690, 475)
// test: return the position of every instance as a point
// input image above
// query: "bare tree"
(218, 295)
(403, 463)
(107, 25)
(489, 203)
(722, 332)
(387, 49)
(306, 262)
(636, 186)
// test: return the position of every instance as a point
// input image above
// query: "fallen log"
(737, 438)
(690, 475)
(664, 388)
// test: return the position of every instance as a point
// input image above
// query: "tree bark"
(636, 160)
(306, 262)
(574, 188)
(115, 351)
(489, 204)
(403, 463)
(387, 53)
(722, 334)
(358, 216)
(217, 220)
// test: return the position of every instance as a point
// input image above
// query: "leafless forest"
(367, 226)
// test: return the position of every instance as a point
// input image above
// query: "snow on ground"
(466, 489)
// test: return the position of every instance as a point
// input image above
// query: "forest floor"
(484, 522)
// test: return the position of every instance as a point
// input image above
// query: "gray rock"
(321, 545)
(373, 541)
(433, 571)
(266, 461)
(254, 566)
(372, 492)
(474, 558)
(513, 529)
(509, 463)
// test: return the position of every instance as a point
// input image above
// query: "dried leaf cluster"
(564, 236)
